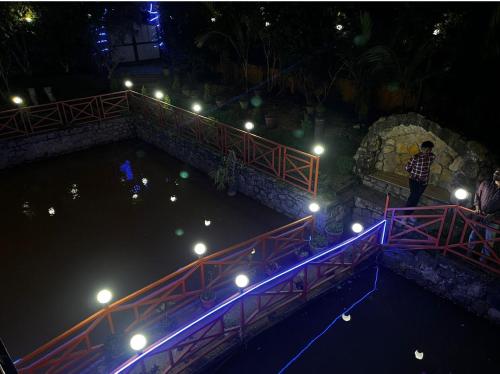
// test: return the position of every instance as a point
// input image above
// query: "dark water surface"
(100, 237)
(381, 337)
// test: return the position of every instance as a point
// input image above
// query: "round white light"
(419, 355)
(159, 95)
(207, 222)
(135, 196)
(461, 194)
(196, 108)
(241, 280)
(212, 19)
(144, 181)
(200, 249)
(128, 83)
(138, 342)
(104, 296)
(17, 100)
(314, 207)
(52, 211)
(339, 27)
(346, 317)
(357, 227)
(249, 126)
(436, 32)
(173, 198)
(28, 19)
(319, 149)
(267, 24)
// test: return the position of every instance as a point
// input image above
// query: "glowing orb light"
(249, 126)
(159, 94)
(179, 232)
(339, 27)
(319, 149)
(357, 227)
(461, 194)
(196, 108)
(104, 296)
(52, 211)
(314, 207)
(184, 174)
(173, 198)
(212, 19)
(419, 355)
(346, 317)
(253, 251)
(144, 181)
(138, 342)
(28, 19)
(241, 280)
(200, 249)
(135, 196)
(17, 100)
(128, 83)
(208, 222)
(436, 32)
(267, 24)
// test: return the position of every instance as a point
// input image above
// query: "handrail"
(265, 245)
(445, 229)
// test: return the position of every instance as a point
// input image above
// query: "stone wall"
(455, 281)
(391, 141)
(24, 149)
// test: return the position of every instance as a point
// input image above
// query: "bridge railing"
(244, 312)
(165, 304)
(445, 228)
(48, 117)
(295, 167)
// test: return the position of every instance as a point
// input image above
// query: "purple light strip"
(162, 341)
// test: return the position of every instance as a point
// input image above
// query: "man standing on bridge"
(487, 203)
(419, 168)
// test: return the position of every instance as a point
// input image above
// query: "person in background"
(419, 168)
(487, 204)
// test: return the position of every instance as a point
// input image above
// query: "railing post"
(387, 202)
(316, 178)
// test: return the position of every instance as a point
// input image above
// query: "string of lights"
(102, 34)
(153, 11)
(313, 340)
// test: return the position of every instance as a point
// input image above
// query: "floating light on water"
(249, 126)
(200, 249)
(138, 342)
(314, 207)
(52, 211)
(318, 149)
(145, 181)
(461, 194)
(159, 94)
(346, 317)
(173, 198)
(179, 232)
(104, 296)
(339, 27)
(128, 83)
(419, 355)
(241, 280)
(17, 100)
(184, 174)
(196, 108)
(207, 222)
(357, 227)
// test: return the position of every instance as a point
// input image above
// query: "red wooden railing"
(291, 165)
(242, 313)
(295, 167)
(53, 116)
(444, 228)
(168, 302)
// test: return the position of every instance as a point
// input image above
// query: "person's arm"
(410, 164)
(477, 198)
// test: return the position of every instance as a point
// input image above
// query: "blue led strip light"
(238, 296)
(154, 20)
(102, 35)
(313, 340)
